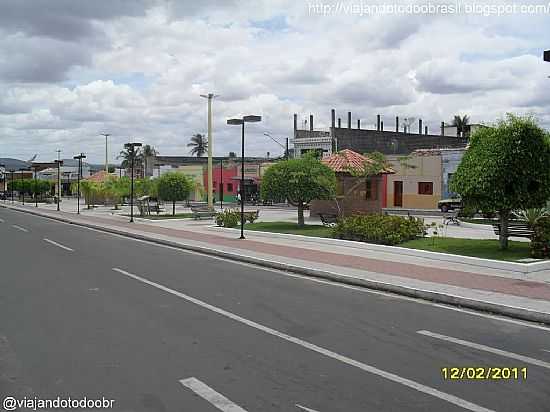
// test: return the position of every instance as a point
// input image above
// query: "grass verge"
(291, 228)
(481, 248)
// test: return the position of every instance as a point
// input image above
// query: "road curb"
(510, 311)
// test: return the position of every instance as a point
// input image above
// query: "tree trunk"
(173, 208)
(503, 236)
(300, 214)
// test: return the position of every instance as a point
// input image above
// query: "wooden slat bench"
(200, 212)
(328, 219)
(517, 229)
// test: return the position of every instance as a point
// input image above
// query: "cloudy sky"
(72, 69)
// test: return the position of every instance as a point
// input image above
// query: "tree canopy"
(505, 168)
(300, 181)
(173, 187)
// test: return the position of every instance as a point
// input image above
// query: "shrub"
(467, 212)
(228, 218)
(540, 242)
(378, 228)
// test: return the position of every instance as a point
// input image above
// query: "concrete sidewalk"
(490, 289)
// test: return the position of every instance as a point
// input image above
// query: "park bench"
(328, 219)
(517, 229)
(200, 212)
(451, 218)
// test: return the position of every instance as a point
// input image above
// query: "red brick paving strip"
(522, 288)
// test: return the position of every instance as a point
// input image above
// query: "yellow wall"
(195, 173)
(423, 169)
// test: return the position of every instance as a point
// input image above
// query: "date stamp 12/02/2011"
(474, 373)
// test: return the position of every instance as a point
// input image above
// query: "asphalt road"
(89, 314)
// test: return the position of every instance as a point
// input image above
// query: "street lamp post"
(221, 183)
(5, 180)
(241, 122)
(132, 149)
(12, 172)
(35, 186)
(106, 153)
(210, 97)
(22, 184)
(79, 175)
(59, 163)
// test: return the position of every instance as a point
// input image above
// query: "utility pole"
(210, 97)
(106, 152)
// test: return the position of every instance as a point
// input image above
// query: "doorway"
(398, 193)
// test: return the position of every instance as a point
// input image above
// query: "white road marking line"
(58, 245)
(344, 359)
(326, 282)
(545, 350)
(22, 229)
(337, 284)
(478, 346)
(2, 220)
(209, 394)
(305, 409)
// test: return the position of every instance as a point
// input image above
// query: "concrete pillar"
(419, 126)
(333, 117)
(358, 123)
(378, 122)
(382, 126)
(311, 122)
(349, 120)
(442, 128)
(396, 124)
(426, 130)
(339, 123)
(295, 122)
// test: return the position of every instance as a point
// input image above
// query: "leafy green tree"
(506, 168)
(300, 181)
(173, 187)
(199, 145)
(117, 189)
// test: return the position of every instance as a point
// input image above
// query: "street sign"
(547, 56)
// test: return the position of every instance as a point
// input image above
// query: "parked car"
(449, 204)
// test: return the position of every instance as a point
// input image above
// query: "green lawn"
(291, 228)
(488, 249)
(164, 217)
(482, 248)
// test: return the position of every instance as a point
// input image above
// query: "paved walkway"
(491, 286)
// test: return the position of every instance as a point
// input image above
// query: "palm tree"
(461, 124)
(199, 144)
(147, 152)
(126, 156)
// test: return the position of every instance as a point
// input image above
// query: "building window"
(230, 187)
(425, 188)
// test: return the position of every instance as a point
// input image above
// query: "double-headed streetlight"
(279, 143)
(132, 151)
(35, 182)
(59, 164)
(79, 175)
(241, 122)
(23, 170)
